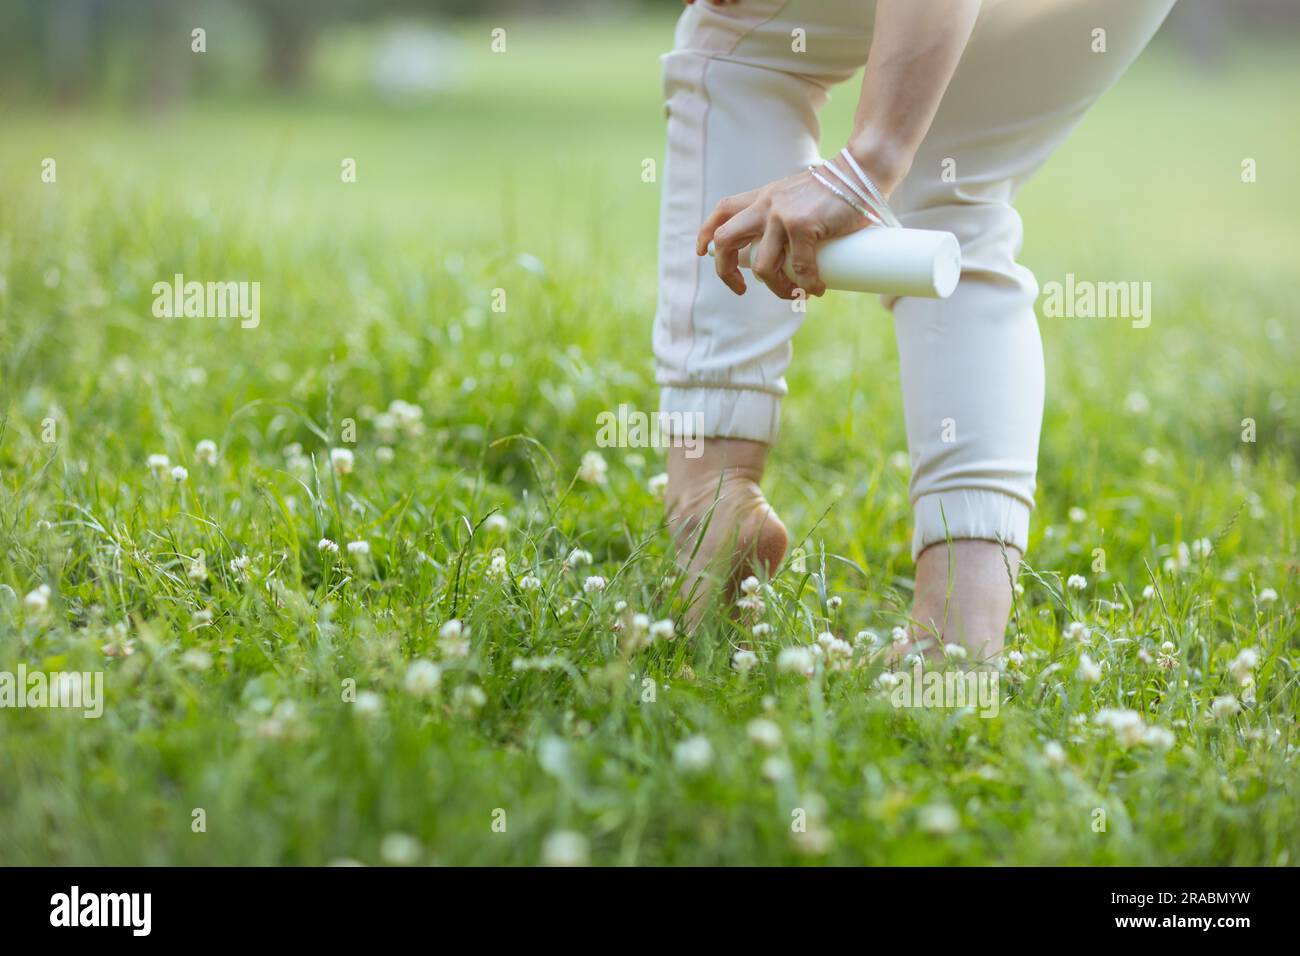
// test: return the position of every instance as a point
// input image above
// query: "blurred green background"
(540, 150)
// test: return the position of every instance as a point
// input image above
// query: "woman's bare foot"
(723, 526)
(964, 592)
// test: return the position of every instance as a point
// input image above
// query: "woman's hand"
(783, 220)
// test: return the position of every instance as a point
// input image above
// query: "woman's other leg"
(972, 365)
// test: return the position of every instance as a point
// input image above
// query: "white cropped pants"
(742, 108)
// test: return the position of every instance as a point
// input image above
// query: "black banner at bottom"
(342, 904)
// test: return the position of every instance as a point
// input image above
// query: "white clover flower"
(404, 411)
(360, 547)
(239, 567)
(468, 697)
(385, 455)
(1054, 753)
(1089, 670)
(198, 569)
(496, 523)
(1137, 403)
(1148, 592)
(640, 623)
(776, 768)
(835, 648)
(1202, 547)
(1015, 659)
(939, 819)
(342, 460)
(1126, 725)
(121, 648)
(834, 602)
(564, 848)
(196, 659)
(888, 680)
(744, 661)
(796, 660)
(1244, 664)
(1159, 737)
(385, 426)
(456, 648)
(593, 469)
(898, 636)
(593, 584)
(577, 557)
(530, 582)
(498, 566)
(1267, 596)
(37, 599)
(620, 607)
(1078, 515)
(160, 465)
(422, 678)
(866, 639)
(452, 630)
(326, 546)
(750, 585)
(663, 630)
(658, 485)
(1076, 582)
(693, 755)
(954, 652)
(368, 704)
(1077, 631)
(1225, 707)
(399, 849)
(179, 474)
(205, 452)
(761, 629)
(763, 732)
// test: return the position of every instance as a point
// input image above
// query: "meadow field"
(440, 683)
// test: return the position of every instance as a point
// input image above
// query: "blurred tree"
(291, 26)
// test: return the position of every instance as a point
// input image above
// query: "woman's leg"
(742, 105)
(972, 365)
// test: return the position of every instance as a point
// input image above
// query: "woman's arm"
(915, 49)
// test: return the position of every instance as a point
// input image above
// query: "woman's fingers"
(732, 236)
(722, 212)
(803, 262)
(767, 259)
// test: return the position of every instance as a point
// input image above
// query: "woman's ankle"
(964, 591)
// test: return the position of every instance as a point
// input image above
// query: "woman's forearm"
(915, 49)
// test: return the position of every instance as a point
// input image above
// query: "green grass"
(381, 290)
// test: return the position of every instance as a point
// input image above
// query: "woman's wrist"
(884, 158)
